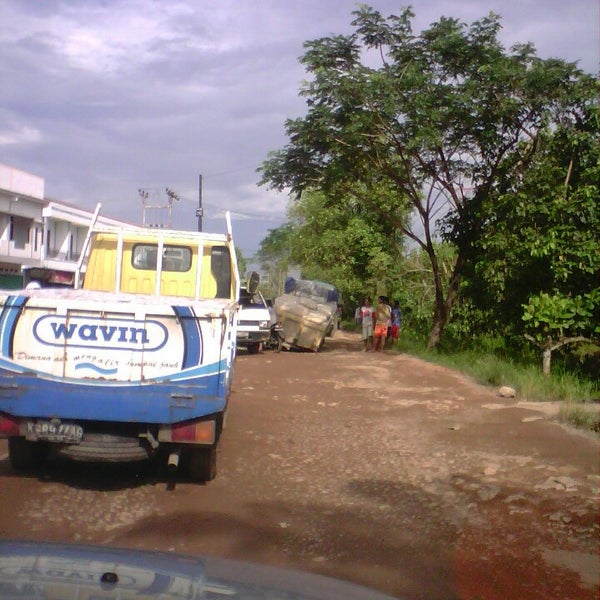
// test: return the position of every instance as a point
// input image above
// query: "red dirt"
(380, 469)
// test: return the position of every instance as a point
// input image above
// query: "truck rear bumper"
(157, 403)
(114, 442)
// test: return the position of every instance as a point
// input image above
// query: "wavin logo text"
(106, 334)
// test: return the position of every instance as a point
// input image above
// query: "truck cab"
(188, 268)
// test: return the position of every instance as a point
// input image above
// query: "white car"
(254, 321)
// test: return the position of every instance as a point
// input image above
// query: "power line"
(253, 167)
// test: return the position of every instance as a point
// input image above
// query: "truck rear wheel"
(24, 454)
(254, 348)
(203, 463)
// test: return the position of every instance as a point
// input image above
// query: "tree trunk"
(435, 333)
(546, 360)
(549, 345)
(439, 310)
(443, 306)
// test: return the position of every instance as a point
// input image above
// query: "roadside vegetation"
(487, 365)
(579, 393)
(461, 179)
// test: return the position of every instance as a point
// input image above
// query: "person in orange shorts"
(383, 318)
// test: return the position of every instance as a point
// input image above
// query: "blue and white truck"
(135, 362)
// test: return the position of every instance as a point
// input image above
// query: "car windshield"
(255, 300)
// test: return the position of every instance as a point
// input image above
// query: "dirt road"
(374, 468)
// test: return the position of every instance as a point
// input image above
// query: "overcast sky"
(104, 97)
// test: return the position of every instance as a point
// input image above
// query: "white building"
(39, 238)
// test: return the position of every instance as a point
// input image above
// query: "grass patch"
(581, 396)
(582, 416)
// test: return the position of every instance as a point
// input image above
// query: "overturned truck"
(308, 313)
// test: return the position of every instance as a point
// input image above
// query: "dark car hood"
(76, 572)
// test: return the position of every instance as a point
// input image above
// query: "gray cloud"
(104, 97)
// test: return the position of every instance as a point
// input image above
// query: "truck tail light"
(198, 432)
(8, 426)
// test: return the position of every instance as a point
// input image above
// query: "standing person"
(389, 330)
(366, 315)
(357, 317)
(396, 322)
(383, 317)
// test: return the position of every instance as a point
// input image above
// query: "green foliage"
(544, 235)
(340, 243)
(537, 263)
(447, 119)
(241, 262)
(558, 316)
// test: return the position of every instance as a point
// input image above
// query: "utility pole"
(200, 210)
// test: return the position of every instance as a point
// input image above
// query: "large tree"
(443, 120)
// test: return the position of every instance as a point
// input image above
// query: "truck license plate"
(54, 431)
